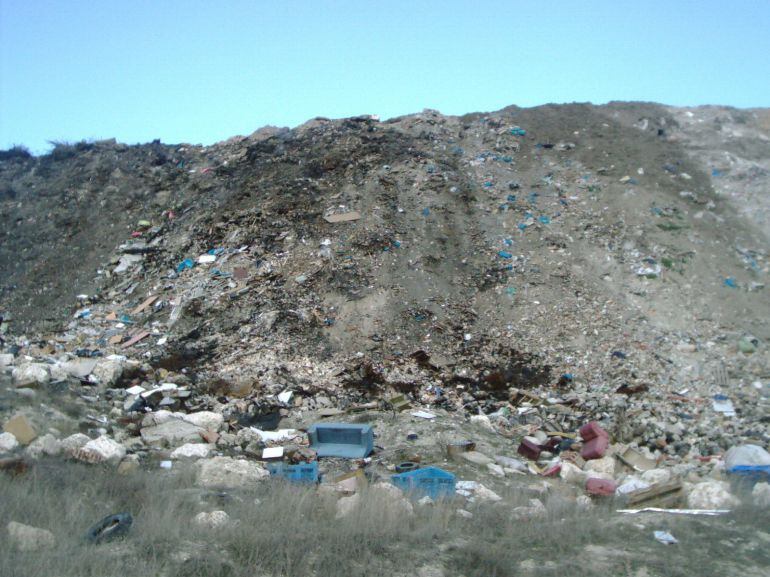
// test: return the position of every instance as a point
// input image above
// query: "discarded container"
(301, 473)
(600, 487)
(454, 448)
(591, 431)
(504, 254)
(430, 481)
(529, 449)
(342, 440)
(595, 448)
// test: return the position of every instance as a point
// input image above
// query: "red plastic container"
(601, 487)
(595, 448)
(591, 431)
(529, 449)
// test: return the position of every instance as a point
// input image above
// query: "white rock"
(74, 442)
(483, 421)
(27, 538)
(46, 445)
(107, 372)
(212, 520)
(126, 262)
(170, 433)
(31, 374)
(573, 474)
(761, 494)
(346, 505)
(631, 484)
(511, 463)
(654, 476)
(105, 449)
(8, 442)
(603, 466)
(464, 514)
(78, 368)
(483, 494)
(751, 455)
(6, 360)
(192, 451)
(496, 470)
(229, 473)
(398, 503)
(584, 502)
(711, 495)
(208, 420)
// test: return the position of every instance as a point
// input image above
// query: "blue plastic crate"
(430, 481)
(751, 473)
(302, 473)
(341, 440)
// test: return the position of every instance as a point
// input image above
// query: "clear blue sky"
(202, 71)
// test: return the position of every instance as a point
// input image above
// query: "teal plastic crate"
(341, 440)
(301, 473)
(431, 481)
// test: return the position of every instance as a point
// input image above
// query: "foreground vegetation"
(283, 530)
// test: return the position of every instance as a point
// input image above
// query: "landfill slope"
(516, 248)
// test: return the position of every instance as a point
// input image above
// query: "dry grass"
(285, 530)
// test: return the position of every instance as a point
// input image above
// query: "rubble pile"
(578, 291)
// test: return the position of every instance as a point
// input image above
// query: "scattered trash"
(424, 415)
(722, 404)
(431, 481)
(343, 217)
(665, 537)
(341, 440)
(707, 512)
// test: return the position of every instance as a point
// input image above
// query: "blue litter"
(341, 440)
(522, 226)
(508, 242)
(504, 254)
(545, 219)
(185, 264)
(511, 198)
(302, 473)
(430, 481)
(730, 282)
(517, 131)
(216, 251)
(425, 211)
(716, 172)
(751, 472)
(506, 158)
(488, 184)
(397, 243)
(219, 273)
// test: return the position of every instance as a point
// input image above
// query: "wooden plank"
(135, 339)
(344, 217)
(148, 301)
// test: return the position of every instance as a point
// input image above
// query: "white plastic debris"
(665, 537)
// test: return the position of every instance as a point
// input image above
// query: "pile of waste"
(571, 297)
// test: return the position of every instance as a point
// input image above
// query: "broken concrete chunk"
(27, 538)
(103, 450)
(8, 442)
(21, 428)
(47, 445)
(208, 420)
(31, 374)
(171, 433)
(711, 495)
(229, 473)
(192, 451)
